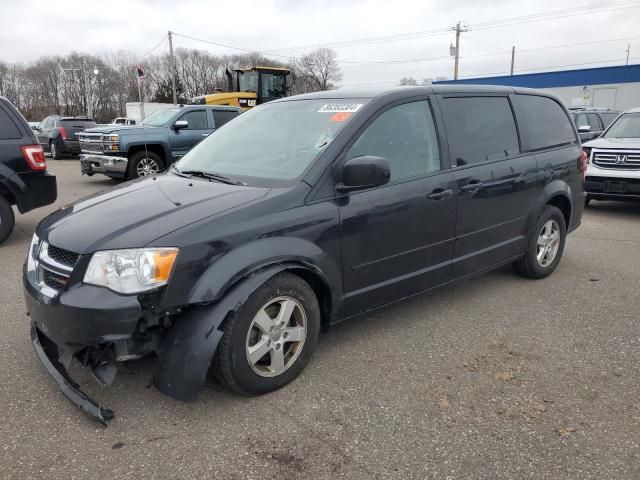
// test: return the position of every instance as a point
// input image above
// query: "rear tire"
(587, 201)
(258, 353)
(544, 246)
(7, 219)
(142, 164)
(55, 153)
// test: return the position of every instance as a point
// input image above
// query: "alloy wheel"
(548, 243)
(276, 336)
(147, 166)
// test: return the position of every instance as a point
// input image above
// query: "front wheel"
(270, 339)
(587, 201)
(142, 164)
(545, 245)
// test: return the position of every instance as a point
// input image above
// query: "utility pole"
(173, 70)
(456, 50)
(513, 57)
(87, 90)
(628, 50)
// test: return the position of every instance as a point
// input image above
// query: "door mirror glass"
(364, 172)
(181, 124)
(584, 128)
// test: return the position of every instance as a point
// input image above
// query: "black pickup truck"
(145, 149)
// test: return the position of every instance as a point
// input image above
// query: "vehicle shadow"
(614, 208)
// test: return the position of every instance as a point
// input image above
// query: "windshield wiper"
(211, 176)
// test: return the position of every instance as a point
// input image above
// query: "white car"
(613, 172)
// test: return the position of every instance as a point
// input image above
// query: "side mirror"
(181, 124)
(584, 128)
(364, 172)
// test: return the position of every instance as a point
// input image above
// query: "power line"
(505, 22)
(164, 37)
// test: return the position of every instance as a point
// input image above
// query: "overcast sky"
(33, 28)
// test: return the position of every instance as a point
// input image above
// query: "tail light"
(63, 133)
(584, 160)
(34, 155)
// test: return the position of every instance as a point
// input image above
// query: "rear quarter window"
(546, 123)
(220, 117)
(8, 128)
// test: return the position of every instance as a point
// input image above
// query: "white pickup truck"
(613, 172)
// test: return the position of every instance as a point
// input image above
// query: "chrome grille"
(90, 147)
(63, 256)
(91, 143)
(53, 267)
(617, 159)
(54, 280)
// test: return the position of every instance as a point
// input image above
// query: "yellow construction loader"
(249, 87)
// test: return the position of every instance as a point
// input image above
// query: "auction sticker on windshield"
(341, 107)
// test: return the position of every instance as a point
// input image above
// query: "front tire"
(143, 164)
(545, 245)
(587, 201)
(7, 219)
(270, 339)
(55, 153)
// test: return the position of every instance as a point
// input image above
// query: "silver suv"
(613, 171)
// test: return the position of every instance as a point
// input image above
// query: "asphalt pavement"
(498, 377)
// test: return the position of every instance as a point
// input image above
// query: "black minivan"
(24, 179)
(301, 213)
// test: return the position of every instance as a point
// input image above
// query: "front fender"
(187, 352)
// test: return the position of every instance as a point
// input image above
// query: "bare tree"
(317, 70)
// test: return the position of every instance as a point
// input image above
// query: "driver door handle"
(440, 193)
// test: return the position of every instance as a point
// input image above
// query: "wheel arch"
(156, 148)
(556, 193)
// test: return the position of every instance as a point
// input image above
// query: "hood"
(136, 213)
(617, 143)
(119, 128)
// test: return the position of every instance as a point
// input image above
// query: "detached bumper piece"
(47, 352)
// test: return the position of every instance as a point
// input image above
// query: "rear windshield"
(627, 126)
(78, 123)
(274, 142)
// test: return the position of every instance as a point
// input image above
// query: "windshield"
(248, 81)
(627, 126)
(275, 141)
(159, 117)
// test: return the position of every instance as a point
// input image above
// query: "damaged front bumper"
(49, 354)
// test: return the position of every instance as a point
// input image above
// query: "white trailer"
(139, 110)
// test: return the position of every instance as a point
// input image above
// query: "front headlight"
(110, 138)
(131, 271)
(33, 253)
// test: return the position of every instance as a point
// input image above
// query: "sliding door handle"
(440, 193)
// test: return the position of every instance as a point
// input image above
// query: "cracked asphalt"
(498, 377)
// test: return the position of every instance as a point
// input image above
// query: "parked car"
(301, 213)
(591, 122)
(123, 121)
(24, 180)
(614, 161)
(59, 135)
(146, 149)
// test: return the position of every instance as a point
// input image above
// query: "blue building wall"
(565, 78)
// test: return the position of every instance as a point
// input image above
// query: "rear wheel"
(55, 153)
(7, 219)
(270, 339)
(587, 201)
(545, 245)
(142, 164)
